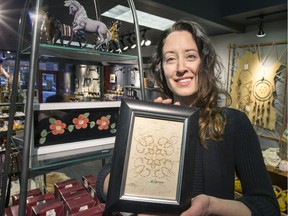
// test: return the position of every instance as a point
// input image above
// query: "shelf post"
(138, 40)
(21, 30)
(33, 65)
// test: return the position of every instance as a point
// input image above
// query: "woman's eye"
(191, 56)
(170, 60)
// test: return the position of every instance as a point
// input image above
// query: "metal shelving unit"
(61, 53)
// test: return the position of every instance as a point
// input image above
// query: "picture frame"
(112, 78)
(154, 150)
(74, 135)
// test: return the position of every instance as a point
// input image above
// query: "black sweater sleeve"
(100, 181)
(258, 192)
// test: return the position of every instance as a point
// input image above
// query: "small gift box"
(74, 195)
(32, 201)
(71, 190)
(92, 192)
(94, 211)
(30, 193)
(79, 204)
(88, 180)
(50, 208)
(12, 210)
(64, 184)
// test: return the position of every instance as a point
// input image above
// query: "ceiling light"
(123, 13)
(130, 42)
(124, 47)
(261, 32)
(145, 41)
(134, 45)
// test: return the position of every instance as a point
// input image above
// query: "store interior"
(74, 78)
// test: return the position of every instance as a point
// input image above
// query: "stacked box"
(12, 210)
(92, 192)
(74, 195)
(79, 204)
(50, 208)
(64, 184)
(94, 211)
(30, 193)
(70, 190)
(36, 200)
(88, 180)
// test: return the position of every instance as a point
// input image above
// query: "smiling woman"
(186, 67)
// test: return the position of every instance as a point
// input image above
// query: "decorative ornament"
(82, 122)
(55, 30)
(82, 22)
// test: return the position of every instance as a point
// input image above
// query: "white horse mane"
(67, 3)
(80, 14)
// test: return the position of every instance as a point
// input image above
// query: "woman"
(185, 67)
(2, 71)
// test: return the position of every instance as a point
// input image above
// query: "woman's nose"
(181, 67)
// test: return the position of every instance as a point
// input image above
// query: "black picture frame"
(150, 137)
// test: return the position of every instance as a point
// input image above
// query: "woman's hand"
(199, 206)
(165, 101)
(203, 205)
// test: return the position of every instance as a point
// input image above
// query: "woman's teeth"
(185, 80)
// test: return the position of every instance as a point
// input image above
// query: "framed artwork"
(112, 78)
(153, 157)
(70, 126)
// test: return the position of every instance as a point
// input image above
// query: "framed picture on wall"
(112, 78)
(154, 150)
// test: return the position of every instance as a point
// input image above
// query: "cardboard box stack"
(70, 198)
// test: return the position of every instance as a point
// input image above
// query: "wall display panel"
(257, 82)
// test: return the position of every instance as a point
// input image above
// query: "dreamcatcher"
(262, 91)
(252, 87)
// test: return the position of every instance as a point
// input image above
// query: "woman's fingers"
(160, 100)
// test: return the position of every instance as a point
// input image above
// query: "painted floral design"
(58, 127)
(103, 123)
(82, 122)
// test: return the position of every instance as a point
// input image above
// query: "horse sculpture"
(57, 30)
(82, 22)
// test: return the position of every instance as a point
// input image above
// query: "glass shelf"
(41, 164)
(54, 52)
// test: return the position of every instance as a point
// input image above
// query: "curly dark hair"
(208, 98)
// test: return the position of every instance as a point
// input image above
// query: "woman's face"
(181, 63)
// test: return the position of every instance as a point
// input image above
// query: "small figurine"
(82, 22)
(57, 30)
(114, 29)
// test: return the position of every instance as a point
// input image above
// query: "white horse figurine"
(82, 22)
